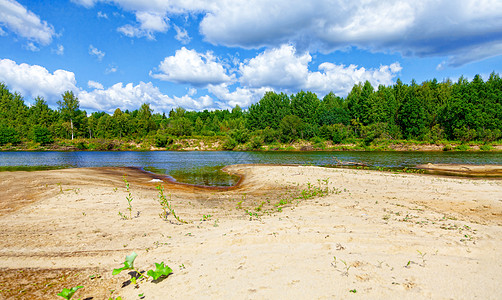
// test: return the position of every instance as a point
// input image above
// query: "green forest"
(432, 112)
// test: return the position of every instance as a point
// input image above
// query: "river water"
(199, 167)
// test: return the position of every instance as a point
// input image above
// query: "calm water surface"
(202, 167)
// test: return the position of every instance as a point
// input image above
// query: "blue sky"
(201, 54)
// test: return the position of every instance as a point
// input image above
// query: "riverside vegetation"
(454, 115)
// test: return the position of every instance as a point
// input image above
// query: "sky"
(203, 54)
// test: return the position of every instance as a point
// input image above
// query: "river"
(200, 167)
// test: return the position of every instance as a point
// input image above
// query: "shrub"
(162, 139)
(229, 144)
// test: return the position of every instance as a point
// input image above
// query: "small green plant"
(160, 270)
(408, 265)
(68, 293)
(166, 206)
(422, 256)
(129, 200)
(353, 291)
(206, 217)
(333, 263)
(312, 191)
(347, 267)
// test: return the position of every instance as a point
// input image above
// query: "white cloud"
(98, 53)
(456, 29)
(190, 67)
(192, 91)
(30, 46)
(284, 69)
(182, 35)
(24, 23)
(85, 3)
(95, 85)
(277, 67)
(102, 15)
(59, 50)
(240, 96)
(340, 79)
(33, 80)
(130, 96)
(149, 24)
(111, 69)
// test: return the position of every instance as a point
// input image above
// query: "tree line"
(431, 111)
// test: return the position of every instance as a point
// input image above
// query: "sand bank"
(374, 236)
(468, 170)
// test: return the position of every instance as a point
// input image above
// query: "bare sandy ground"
(376, 235)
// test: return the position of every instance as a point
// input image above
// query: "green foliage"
(162, 139)
(269, 111)
(229, 144)
(68, 293)
(256, 142)
(128, 263)
(160, 270)
(290, 127)
(166, 206)
(431, 111)
(128, 198)
(42, 135)
(8, 135)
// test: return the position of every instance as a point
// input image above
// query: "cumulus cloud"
(95, 52)
(95, 85)
(149, 24)
(130, 96)
(461, 30)
(284, 69)
(277, 68)
(242, 96)
(190, 67)
(24, 23)
(33, 80)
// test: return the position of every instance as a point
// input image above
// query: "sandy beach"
(373, 235)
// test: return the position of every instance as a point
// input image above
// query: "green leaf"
(160, 270)
(68, 293)
(128, 263)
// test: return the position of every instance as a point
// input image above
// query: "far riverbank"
(219, 143)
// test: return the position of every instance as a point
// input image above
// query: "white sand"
(401, 236)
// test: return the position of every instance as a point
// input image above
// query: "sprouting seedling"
(408, 264)
(422, 256)
(347, 267)
(160, 270)
(68, 293)
(334, 261)
(128, 264)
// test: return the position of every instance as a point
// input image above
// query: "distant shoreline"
(217, 144)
